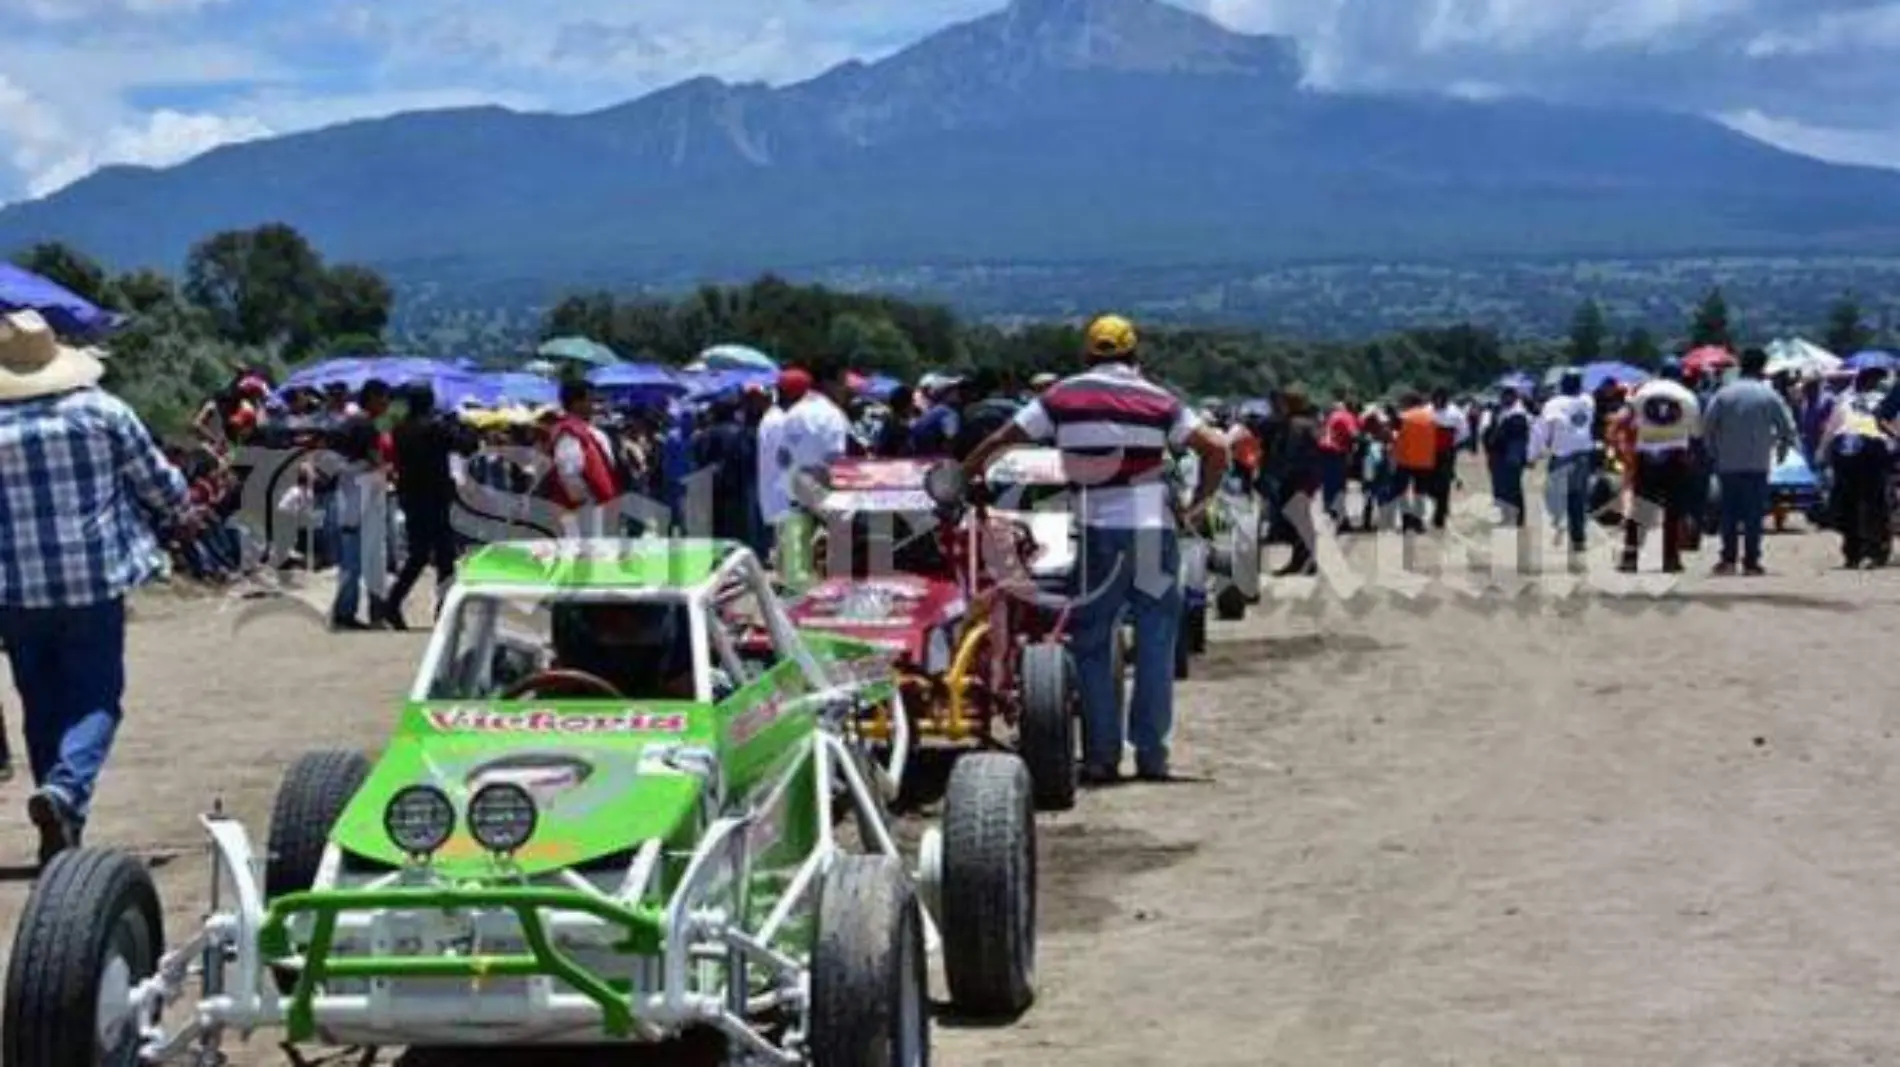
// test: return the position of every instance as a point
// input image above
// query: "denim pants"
(1744, 503)
(1132, 574)
(1570, 477)
(69, 666)
(1332, 474)
(349, 573)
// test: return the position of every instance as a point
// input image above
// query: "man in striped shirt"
(1116, 430)
(80, 481)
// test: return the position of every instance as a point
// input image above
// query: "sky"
(84, 83)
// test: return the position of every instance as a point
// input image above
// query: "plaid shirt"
(80, 481)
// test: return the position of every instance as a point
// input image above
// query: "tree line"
(266, 298)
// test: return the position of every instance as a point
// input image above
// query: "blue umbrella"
(352, 372)
(65, 311)
(1871, 359)
(578, 350)
(1596, 374)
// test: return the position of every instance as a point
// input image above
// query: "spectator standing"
(1339, 436)
(775, 500)
(580, 480)
(359, 512)
(79, 476)
(1115, 430)
(1858, 453)
(1665, 420)
(1415, 460)
(1453, 427)
(1563, 432)
(425, 446)
(1748, 428)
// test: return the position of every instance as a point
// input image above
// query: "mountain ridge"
(1049, 130)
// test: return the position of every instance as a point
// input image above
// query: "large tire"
(311, 797)
(870, 996)
(91, 924)
(1047, 732)
(989, 886)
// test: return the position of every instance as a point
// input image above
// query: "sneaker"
(54, 818)
(1153, 771)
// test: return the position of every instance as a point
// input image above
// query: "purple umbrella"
(65, 311)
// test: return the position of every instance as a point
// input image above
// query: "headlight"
(502, 816)
(419, 819)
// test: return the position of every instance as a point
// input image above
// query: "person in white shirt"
(774, 498)
(1562, 432)
(1664, 418)
(817, 430)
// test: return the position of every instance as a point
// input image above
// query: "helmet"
(1110, 337)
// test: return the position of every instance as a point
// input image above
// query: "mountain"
(1126, 132)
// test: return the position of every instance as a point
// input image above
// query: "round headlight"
(419, 819)
(502, 816)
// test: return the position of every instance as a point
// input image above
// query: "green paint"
(606, 563)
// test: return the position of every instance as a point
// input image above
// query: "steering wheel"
(566, 681)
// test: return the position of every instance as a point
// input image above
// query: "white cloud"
(1870, 147)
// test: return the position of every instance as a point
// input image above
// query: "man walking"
(1564, 433)
(1665, 420)
(79, 473)
(425, 489)
(1748, 429)
(1115, 430)
(360, 509)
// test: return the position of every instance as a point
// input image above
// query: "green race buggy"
(609, 813)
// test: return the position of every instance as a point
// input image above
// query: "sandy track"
(1527, 833)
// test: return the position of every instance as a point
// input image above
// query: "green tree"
(62, 263)
(1589, 331)
(1711, 324)
(261, 286)
(354, 302)
(143, 292)
(872, 343)
(1639, 347)
(1847, 331)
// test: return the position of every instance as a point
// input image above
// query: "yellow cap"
(1110, 337)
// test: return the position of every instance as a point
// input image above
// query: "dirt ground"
(1605, 828)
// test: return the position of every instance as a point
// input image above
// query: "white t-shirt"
(816, 432)
(1563, 427)
(774, 500)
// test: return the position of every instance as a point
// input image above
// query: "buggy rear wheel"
(1047, 729)
(869, 993)
(989, 886)
(91, 931)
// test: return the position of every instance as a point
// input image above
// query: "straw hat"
(34, 363)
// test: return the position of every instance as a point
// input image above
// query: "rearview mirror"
(946, 484)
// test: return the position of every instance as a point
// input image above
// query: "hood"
(597, 771)
(910, 615)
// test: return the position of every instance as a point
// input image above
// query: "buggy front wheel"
(988, 894)
(90, 932)
(1046, 732)
(870, 1001)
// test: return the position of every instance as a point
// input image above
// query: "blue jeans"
(69, 666)
(1332, 480)
(349, 573)
(1744, 503)
(1572, 473)
(1132, 573)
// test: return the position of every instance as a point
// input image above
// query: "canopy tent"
(1801, 358)
(1871, 359)
(875, 386)
(577, 350)
(1595, 375)
(504, 389)
(734, 357)
(633, 383)
(1709, 359)
(68, 313)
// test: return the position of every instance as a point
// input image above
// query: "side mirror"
(946, 484)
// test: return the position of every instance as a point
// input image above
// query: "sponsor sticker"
(750, 723)
(549, 721)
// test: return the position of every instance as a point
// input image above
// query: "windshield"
(570, 647)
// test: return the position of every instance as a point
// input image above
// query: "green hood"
(589, 766)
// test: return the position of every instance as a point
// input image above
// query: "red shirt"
(1341, 429)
